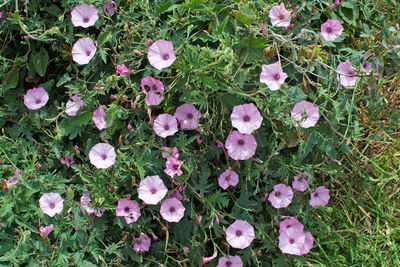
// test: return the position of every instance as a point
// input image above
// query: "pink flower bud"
(186, 249)
(216, 219)
(113, 97)
(18, 172)
(149, 42)
(38, 165)
(125, 97)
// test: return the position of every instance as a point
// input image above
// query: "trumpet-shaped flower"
(36, 98)
(102, 155)
(152, 189)
(165, 125)
(74, 105)
(84, 15)
(331, 29)
(154, 94)
(306, 113)
(240, 146)
(228, 178)
(142, 244)
(320, 197)
(240, 234)
(83, 51)
(280, 16)
(161, 54)
(128, 209)
(246, 118)
(346, 74)
(273, 76)
(230, 261)
(100, 118)
(300, 182)
(188, 116)
(281, 197)
(51, 203)
(172, 210)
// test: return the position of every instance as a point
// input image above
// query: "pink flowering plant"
(196, 133)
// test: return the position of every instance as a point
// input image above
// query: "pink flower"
(165, 125)
(290, 222)
(281, 197)
(154, 95)
(186, 249)
(128, 209)
(320, 197)
(172, 210)
(346, 74)
(51, 203)
(280, 17)
(331, 29)
(141, 244)
(109, 8)
(188, 116)
(161, 54)
(173, 166)
(74, 105)
(230, 261)
(273, 76)
(36, 98)
(45, 231)
(240, 234)
(38, 165)
(100, 118)
(83, 51)
(295, 242)
(102, 155)
(240, 146)
(152, 189)
(67, 160)
(228, 178)
(84, 15)
(1, 14)
(123, 70)
(85, 200)
(208, 259)
(246, 118)
(12, 180)
(367, 66)
(167, 152)
(306, 113)
(301, 182)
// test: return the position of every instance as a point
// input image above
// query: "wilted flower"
(141, 244)
(331, 29)
(83, 50)
(168, 152)
(154, 95)
(74, 105)
(273, 76)
(306, 113)
(123, 70)
(320, 197)
(230, 261)
(51, 203)
(346, 74)
(84, 15)
(67, 160)
(102, 155)
(290, 222)
(300, 182)
(367, 66)
(240, 146)
(228, 178)
(85, 200)
(280, 16)
(173, 166)
(240, 234)
(109, 8)
(152, 189)
(45, 231)
(246, 118)
(208, 259)
(165, 125)
(281, 197)
(128, 209)
(36, 98)
(188, 116)
(295, 242)
(100, 118)
(172, 210)
(161, 54)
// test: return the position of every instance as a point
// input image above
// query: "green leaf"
(65, 78)
(40, 61)
(349, 12)
(242, 17)
(11, 81)
(75, 125)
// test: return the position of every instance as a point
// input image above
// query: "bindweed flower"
(84, 15)
(230, 261)
(319, 197)
(45, 231)
(281, 197)
(100, 118)
(38, 165)
(295, 242)
(10, 182)
(74, 105)
(161, 54)
(273, 76)
(208, 259)
(346, 74)
(186, 249)
(152, 189)
(300, 182)
(36, 98)
(240, 234)
(154, 95)
(165, 125)
(228, 178)
(173, 167)
(85, 200)
(141, 244)
(123, 70)
(290, 222)
(240, 146)
(172, 210)
(367, 66)
(246, 118)
(51, 203)
(188, 116)
(67, 160)
(128, 209)
(280, 17)
(102, 155)
(109, 8)
(83, 51)
(306, 113)
(168, 152)
(331, 29)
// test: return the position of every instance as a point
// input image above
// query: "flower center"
(228, 178)
(316, 195)
(176, 166)
(241, 142)
(37, 101)
(87, 53)
(228, 263)
(291, 240)
(328, 30)
(52, 205)
(238, 233)
(154, 87)
(127, 209)
(281, 17)
(172, 209)
(86, 20)
(277, 194)
(277, 76)
(153, 191)
(166, 57)
(166, 127)
(300, 179)
(190, 116)
(246, 118)
(104, 157)
(139, 242)
(288, 226)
